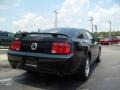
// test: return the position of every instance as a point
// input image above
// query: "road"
(104, 76)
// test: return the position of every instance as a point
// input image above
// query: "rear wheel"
(31, 72)
(84, 72)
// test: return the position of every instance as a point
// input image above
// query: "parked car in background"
(108, 41)
(61, 51)
(6, 37)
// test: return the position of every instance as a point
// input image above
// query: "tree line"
(106, 34)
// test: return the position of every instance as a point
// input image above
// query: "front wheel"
(84, 70)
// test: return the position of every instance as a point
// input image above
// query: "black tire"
(99, 57)
(82, 74)
(30, 72)
(14, 67)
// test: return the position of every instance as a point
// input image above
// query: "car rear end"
(44, 52)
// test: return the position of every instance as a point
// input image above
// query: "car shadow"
(51, 82)
(93, 67)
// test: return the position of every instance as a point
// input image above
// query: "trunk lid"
(41, 43)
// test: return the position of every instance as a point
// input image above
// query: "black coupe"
(61, 51)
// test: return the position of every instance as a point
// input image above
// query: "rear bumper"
(51, 64)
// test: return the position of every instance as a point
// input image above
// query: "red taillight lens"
(61, 48)
(15, 45)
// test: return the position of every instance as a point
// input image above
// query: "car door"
(86, 42)
(88, 39)
(93, 45)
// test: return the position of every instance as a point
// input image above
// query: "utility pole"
(91, 20)
(56, 17)
(95, 30)
(110, 29)
(38, 30)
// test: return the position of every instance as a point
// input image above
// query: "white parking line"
(114, 67)
(5, 80)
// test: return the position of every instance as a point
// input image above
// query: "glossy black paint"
(43, 61)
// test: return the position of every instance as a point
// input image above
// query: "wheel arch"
(89, 54)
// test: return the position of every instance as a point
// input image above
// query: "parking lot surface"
(104, 76)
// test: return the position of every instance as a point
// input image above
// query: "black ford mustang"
(61, 51)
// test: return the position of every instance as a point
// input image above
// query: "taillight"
(61, 48)
(15, 45)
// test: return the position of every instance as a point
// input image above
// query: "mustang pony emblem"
(34, 46)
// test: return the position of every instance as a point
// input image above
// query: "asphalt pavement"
(3, 54)
(104, 76)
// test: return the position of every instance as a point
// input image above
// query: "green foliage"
(106, 34)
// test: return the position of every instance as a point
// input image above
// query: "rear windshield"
(43, 35)
(70, 32)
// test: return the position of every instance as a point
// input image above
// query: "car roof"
(68, 31)
(60, 28)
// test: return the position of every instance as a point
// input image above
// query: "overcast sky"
(29, 15)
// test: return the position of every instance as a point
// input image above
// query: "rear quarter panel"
(80, 51)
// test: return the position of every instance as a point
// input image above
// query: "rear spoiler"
(53, 34)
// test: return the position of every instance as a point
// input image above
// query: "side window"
(88, 35)
(81, 35)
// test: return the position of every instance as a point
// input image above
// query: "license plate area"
(31, 61)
